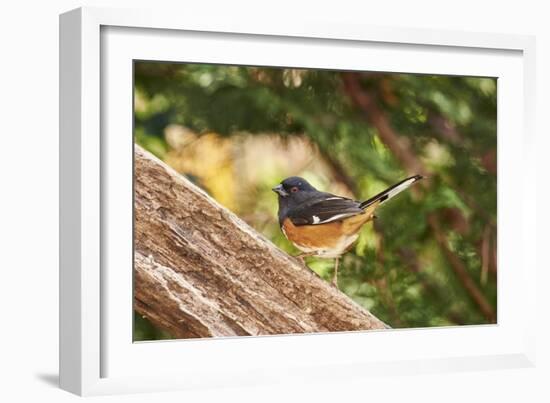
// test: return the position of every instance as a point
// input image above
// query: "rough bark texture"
(200, 271)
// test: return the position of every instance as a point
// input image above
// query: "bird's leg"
(335, 275)
(301, 256)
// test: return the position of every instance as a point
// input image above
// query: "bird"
(325, 225)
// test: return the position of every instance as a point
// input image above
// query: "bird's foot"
(335, 275)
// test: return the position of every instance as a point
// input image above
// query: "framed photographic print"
(241, 202)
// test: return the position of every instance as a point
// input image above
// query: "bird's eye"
(294, 189)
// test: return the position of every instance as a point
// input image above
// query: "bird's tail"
(391, 191)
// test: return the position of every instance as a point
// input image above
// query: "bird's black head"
(292, 192)
(293, 187)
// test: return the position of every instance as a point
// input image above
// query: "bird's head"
(293, 187)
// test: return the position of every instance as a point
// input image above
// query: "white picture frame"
(97, 355)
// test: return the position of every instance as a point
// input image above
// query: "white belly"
(338, 250)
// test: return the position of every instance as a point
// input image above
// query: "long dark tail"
(391, 191)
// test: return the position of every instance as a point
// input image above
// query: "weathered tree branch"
(200, 271)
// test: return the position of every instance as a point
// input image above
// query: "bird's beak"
(280, 190)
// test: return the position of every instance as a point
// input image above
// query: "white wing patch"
(333, 218)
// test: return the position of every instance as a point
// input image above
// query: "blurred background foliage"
(430, 257)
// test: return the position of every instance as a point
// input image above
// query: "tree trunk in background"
(399, 146)
(200, 271)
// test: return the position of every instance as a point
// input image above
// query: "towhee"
(325, 225)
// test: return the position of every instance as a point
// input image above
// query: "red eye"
(294, 189)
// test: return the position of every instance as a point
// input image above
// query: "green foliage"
(397, 268)
(144, 330)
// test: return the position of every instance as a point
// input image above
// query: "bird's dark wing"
(321, 211)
